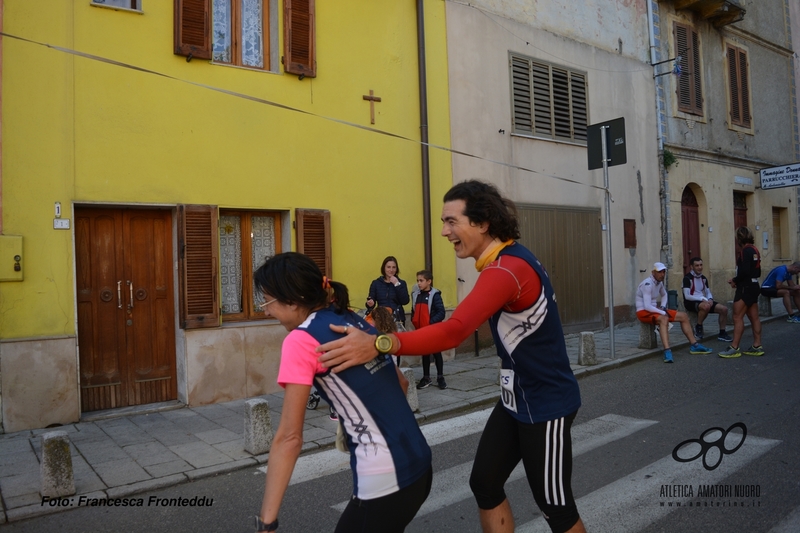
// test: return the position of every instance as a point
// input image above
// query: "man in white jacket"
(651, 308)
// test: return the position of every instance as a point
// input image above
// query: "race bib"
(507, 389)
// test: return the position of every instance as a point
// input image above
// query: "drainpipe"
(664, 178)
(423, 128)
(1, 119)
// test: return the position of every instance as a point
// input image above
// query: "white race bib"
(507, 389)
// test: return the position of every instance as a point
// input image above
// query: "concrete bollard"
(56, 468)
(647, 336)
(587, 354)
(764, 306)
(257, 426)
(411, 394)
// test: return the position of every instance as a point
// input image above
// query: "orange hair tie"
(326, 283)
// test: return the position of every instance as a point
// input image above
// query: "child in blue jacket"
(428, 309)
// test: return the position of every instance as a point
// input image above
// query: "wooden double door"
(126, 318)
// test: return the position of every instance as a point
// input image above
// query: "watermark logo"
(712, 451)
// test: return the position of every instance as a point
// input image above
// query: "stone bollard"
(257, 426)
(647, 336)
(411, 394)
(587, 354)
(56, 468)
(764, 306)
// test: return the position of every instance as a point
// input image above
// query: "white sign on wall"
(776, 177)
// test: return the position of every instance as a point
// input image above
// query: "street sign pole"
(603, 139)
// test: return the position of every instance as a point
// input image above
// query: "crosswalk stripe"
(790, 524)
(451, 486)
(633, 502)
(329, 462)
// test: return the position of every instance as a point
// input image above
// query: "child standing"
(428, 309)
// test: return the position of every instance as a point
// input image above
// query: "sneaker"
(730, 353)
(424, 383)
(698, 331)
(668, 356)
(793, 319)
(440, 381)
(698, 348)
(724, 337)
(757, 351)
(332, 415)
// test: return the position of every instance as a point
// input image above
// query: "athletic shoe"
(793, 319)
(698, 331)
(757, 351)
(425, 382)
(698, 348)
(730, 353)
(332, 415)
(668, 356)
(724, 337)
(440, 381)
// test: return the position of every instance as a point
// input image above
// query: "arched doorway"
(690, 220)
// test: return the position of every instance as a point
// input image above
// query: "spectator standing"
(428, 309)
(745, 301)
(389, 290)
(651, 308)
(697, 298)
(779, 283)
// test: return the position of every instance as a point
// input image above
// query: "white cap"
(658, 267)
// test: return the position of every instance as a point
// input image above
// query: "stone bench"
(647, 336)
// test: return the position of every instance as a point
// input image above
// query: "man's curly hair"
(485, 204)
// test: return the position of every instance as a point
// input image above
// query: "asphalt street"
(625, 477)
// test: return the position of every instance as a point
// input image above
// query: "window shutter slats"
(192, 32)
(541, 99)
(736, 117)
(684, 86)
(198, 251)
(520, 74)
(744, 89)
(697, 96)
(561, 114)
(579, 111)
(314, 237)
(299, 37)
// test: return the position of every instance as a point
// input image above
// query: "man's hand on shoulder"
(356, 348)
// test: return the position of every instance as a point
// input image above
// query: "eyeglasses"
(264, 306)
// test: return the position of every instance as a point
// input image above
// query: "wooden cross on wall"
(372, 99)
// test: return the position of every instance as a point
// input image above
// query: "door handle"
(119, 294)
(130, 286)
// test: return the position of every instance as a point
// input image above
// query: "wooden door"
(690, 221)
(126, 324)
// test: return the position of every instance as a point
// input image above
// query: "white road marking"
(452, 485)
(790, 524)
(633, 502)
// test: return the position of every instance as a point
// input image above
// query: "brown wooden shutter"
(697, 95)
(314, 236)
(733, 81)
(744, 88)
(198, 251)
(193, 28)
(689, 90)
(300, 55)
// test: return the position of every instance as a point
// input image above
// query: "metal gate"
(568, 242)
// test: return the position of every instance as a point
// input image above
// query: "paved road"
(626, 479)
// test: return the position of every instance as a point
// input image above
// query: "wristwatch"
(261, 526)
(383, 344)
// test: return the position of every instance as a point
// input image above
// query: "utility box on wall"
(11, 258)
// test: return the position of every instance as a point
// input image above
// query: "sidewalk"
(168, 444)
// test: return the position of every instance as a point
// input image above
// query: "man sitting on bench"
(697, 298)
(779, 283)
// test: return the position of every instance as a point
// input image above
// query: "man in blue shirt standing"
(779, 283)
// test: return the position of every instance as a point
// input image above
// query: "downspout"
(664, 178)
(423, 128)
(1, 118)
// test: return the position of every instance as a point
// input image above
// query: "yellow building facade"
(147, 185)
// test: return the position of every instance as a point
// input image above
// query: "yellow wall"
(77, 130)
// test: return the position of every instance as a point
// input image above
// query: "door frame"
(179, 341)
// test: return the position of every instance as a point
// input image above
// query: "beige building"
(731, 113)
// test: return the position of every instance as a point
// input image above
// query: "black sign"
(615, 143)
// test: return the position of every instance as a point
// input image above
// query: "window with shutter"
(197, 247)
(689, 83)
(314, 236)
(739, 85)
(300, 55)
(236, 32)
(548, 101)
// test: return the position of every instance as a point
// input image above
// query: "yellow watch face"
(383, 344)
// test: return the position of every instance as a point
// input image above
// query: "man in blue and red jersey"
(539, 395)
